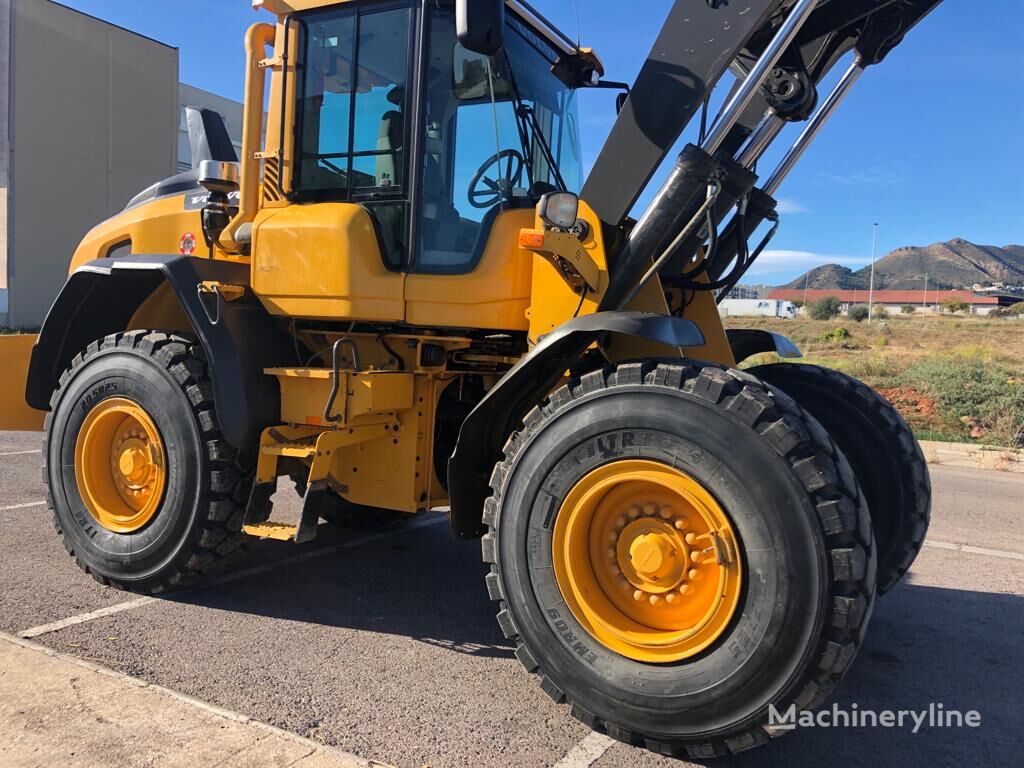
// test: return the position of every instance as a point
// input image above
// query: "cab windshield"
(500, 132)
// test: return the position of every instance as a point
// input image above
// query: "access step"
(270, 530)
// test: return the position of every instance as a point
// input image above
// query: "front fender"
(501, 411)
(101, 297)
(747, 342)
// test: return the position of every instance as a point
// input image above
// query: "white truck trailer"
(757, 308)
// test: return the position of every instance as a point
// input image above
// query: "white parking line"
(21, 453)
(587, 752)
(24, 506)
(81, 618)
(131, 605)
(948, 545)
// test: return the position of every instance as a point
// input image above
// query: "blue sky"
(930, 144)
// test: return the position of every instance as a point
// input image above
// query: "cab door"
(337, 248)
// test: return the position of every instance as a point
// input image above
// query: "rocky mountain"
(956, 264)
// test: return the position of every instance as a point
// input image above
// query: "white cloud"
(788, 207)
(783, 265)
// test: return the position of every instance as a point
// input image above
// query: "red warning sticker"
(188, 244)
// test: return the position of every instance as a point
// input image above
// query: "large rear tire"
(883, 451)
(795, 535)
(145, 492)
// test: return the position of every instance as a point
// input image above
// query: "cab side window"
(353, 111)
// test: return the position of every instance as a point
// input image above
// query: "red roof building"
(980, 303)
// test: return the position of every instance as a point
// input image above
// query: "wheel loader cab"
(413, 165)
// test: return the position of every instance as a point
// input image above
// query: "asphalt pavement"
(385, 645)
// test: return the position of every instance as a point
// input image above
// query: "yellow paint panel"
(495, 295)
(323, 261)
(156, 227)
(15, 414)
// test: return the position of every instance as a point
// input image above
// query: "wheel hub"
(647, 561)
(119, 465)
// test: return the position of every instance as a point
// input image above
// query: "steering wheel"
(486, 192)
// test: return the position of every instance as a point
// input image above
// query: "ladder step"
(270, 530)
(293, 450)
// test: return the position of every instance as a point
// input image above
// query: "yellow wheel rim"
(120, 465)
(647, 561)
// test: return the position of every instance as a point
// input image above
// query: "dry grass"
(955, 378)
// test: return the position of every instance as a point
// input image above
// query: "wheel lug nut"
(684, 588)
(693, 575)
(611, 538)
(611, 553)
(650, 509)
(691, 537)
(634, 512)
(695, 556)
(638, 595)
(672, 598)
(654, 600)
(681, 524)
(666, 512)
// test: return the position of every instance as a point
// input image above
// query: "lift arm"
(779, 51)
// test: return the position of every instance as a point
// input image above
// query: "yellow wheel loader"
(405, 295)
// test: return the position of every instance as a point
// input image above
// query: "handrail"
(257, 39)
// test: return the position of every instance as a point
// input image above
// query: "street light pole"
(871, 288)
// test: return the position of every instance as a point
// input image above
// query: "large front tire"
(882, 450)
(145, 492)
(795, 518)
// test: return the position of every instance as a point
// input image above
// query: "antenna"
(579, 28)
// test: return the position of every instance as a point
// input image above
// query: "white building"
(90, 115)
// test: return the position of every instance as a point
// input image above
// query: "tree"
(859, 312)
(908, 309)
(825, 309)
(954, 305)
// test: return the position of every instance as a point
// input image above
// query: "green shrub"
(858, 312)
(1016, 309)
(953, 306)
(908, 309)
(835, 336)
(880, 313)
(881, 341)
(985, 399)
(824, 309)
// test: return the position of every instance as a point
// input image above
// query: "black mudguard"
(101, 297)
(501, 411)
(746, 343)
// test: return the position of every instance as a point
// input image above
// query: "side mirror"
(480, 25)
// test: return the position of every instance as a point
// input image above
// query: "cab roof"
(523, 9)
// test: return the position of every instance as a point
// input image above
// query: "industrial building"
(90, 114)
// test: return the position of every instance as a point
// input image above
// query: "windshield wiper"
(526, 116)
